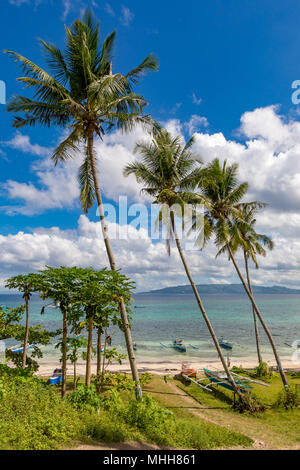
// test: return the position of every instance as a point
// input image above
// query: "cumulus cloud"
(22, 142)
(267, 151)
(195, 123)
(57, 187)
(269, 159)
(145, 262)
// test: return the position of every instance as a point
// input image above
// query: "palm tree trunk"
(113, 266)
(64, 353)
(89, 352)
(204, 314)
(259, 356)
(265, 327)
(98, 358)
(75, 377)
(103, 360)
(98, 352)
(26, 333)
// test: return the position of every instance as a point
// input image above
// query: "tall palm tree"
(168, 170)
(224, 195)
(244, 236)
(83, 95)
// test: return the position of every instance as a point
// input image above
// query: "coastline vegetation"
(84, 95)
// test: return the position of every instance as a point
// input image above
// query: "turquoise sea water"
(160, 318)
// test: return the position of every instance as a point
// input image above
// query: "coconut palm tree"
(82, 94)
(244, 236)
(168, 170)
(224, 194)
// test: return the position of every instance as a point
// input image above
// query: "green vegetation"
(33, 416)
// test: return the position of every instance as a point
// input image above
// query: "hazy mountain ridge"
(221, 289)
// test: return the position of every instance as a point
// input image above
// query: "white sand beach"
(160, 367)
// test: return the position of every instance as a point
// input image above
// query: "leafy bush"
(85, 398)
(262, 370)
(249, 404)
(289, 398)
(32, 415)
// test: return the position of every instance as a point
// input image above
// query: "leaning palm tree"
(168, 170)
(244, 236)
(224, 194)
(82, 94)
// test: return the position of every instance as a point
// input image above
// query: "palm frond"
(86, 183)
(148, 64)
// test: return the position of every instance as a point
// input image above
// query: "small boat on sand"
(188, 370)
(56, 377)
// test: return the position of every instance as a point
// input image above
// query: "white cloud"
(57, 187)
(195, 123)
(22, 143)
(196, 100)
(126, 16)
(145, 262)
(67, 4)
(269, 160)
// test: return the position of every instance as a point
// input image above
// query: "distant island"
(221, 289)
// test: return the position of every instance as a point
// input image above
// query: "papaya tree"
(24, 283)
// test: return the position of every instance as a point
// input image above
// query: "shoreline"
(161, 367)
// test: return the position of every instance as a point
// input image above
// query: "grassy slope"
(276, 428)
(213, 435)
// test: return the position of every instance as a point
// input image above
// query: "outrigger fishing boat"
(17, 349)
(176, 344)
(220, 378)
(225, 344)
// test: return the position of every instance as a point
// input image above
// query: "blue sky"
(226, 69)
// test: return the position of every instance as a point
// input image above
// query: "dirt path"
(261, 433)
(198, 410)
(116, 446)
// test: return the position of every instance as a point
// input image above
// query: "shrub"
(262, 370)
(33, 416)
(85, 398)
(289, 398)
(249, 404)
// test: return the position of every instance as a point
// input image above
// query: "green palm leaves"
(81, 93)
